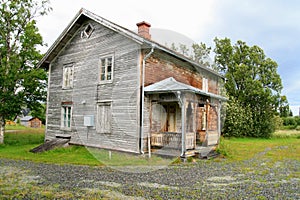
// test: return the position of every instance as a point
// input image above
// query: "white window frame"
(103, 69)
(205, 84)
(66, 115)
(104, 116)
(68, 76)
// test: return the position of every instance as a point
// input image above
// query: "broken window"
(66, 115)
(106, 68)
(68, 71)
(104, 118)
(88, 30)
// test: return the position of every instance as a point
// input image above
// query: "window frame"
(69, 69)
(106, 57)
(106, 117)
(66, 116)
(85, 33)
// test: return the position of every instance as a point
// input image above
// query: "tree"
(39, 112)
(252, 80)
(201, 54)
(21, 83)
(284, 108)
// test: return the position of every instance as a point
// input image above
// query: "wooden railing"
(172, 140)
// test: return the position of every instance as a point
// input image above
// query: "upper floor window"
(205, 84)
(106, 68)
(68, 72)
(87, 32)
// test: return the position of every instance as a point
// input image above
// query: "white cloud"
(274, 25)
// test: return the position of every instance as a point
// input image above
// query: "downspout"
(143, 104)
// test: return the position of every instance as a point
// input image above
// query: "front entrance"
(170, 124)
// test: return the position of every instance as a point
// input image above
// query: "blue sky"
(274, 25)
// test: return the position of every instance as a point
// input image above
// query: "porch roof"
(171, 85)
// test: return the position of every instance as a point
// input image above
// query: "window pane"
(106, 69)
(69, 116)
(109, 61)
(65, 116)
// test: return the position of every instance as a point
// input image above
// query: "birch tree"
(21, 83)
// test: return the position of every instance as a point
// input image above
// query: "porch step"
(207, 152)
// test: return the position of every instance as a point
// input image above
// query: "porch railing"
(172, 140)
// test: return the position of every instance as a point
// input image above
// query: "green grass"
(19, 127)
(17, 146)
(282, 145)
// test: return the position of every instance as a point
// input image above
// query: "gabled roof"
(171, 85)
(84, 14)
(26, 118)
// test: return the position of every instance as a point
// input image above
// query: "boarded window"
(68, 71)
(205, 84)
(66, 115)
(104, 118)
(106, 68)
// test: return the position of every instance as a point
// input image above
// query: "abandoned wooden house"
(112, 88)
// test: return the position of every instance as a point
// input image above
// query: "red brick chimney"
(143, 29)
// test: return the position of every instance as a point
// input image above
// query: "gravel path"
(252, 179)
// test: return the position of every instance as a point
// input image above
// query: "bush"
(238, 122)
(278, 122)
(290, 121)
(297, 119)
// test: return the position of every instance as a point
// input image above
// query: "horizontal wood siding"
(87, 92)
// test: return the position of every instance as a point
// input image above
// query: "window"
(66, 115)
(104, 118)
(87, 32)
(106, 68)
(205, 84)
(68, 71)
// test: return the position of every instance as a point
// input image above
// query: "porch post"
(219, 121)
(182, 126)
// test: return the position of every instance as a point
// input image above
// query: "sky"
(273, 25)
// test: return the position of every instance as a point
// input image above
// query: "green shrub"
(278, 122)
(290, 122)
(297, 119)
(238, 121)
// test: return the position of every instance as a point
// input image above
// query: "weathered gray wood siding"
(122, 92)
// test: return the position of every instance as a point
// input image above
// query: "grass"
(18, 143)
(282, 145)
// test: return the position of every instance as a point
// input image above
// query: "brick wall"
(160, 67)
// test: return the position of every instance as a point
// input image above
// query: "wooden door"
(170, 124)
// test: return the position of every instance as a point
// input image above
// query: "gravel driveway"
(251, 179)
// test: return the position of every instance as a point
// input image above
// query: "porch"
(182, 120)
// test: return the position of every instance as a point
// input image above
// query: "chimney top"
(143, 29)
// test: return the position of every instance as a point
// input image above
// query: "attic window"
(87, 32)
